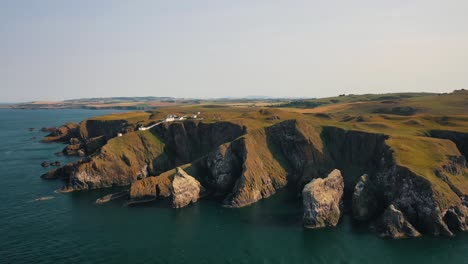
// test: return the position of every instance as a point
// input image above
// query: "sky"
(55, 50)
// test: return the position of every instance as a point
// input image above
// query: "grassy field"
(130, 117)
(407, 118)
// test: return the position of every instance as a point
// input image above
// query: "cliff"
(407, 184)
(123, 160)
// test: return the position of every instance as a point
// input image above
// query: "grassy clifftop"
(411, 146)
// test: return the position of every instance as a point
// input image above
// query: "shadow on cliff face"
(460, 139)
(355, 153)
(306, 153)
(298, 152)
(304, 158)
(187, 141)
(242, 168)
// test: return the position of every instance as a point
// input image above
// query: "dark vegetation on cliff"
(402, 157)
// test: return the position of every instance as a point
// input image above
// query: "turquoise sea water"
(70, 228)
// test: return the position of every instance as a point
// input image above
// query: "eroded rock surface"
(395, 224)
(62, 133)
(321, 199)
(225, 167)
(185, 189)
(243, 167)
(365, 204)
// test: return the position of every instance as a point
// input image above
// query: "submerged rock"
(185, 189)
(111, 197)
(321, 199)
(395, 224)
(45, 198)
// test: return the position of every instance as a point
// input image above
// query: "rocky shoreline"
(185, 161)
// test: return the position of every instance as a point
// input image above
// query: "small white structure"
(119, 134)
(170, 118)
(182, 118)
(142, 128)
(194, 116)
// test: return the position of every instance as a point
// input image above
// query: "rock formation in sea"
(184, 189)
(321, 199)
(239, 164)
(395, 225)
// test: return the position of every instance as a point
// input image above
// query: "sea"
(39, 225)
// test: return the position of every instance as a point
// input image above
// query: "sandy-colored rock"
(321, 199)
(185, 189)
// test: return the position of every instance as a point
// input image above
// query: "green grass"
(423, 156)
(130, 117)
(381, 113)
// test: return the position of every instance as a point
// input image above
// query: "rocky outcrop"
(176, 184)
(457, 218)
(364, 201)
(187, 141)
(184, 189)
(151, 188)
(356, 153)
(321, 200)
(63, 133)
(262, 173)
(300, 148)
(84, 147)
(395, 224)
(74, 150)
(225, 167)
(241, 167)
(91, 128)
(134, 156)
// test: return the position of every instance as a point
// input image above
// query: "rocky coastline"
(330, 167)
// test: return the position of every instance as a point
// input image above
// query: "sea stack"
(321, 199)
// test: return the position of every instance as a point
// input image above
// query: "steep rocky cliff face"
(187, 141)
(224, 166)
(267, 159)
(300, 150)
(365, 204)
(136, 155)
(262, 173)
(108, 128)
(243, 165)
(355, 153)
(89, 136)
(422, 200)
(63, 133)
(244, 170)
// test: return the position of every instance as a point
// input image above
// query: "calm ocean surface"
(70, 228)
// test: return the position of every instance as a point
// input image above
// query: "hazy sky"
(53, 50)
